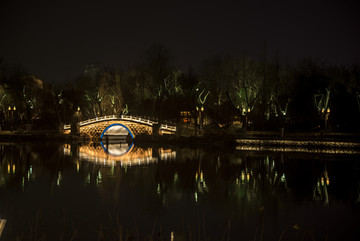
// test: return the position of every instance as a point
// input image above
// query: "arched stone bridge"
(137, 125)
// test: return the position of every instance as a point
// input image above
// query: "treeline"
(264, 94)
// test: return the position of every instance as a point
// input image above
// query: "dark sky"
(55, 39)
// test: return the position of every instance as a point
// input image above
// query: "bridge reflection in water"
(118, 153)
(254, 190)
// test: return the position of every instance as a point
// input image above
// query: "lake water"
(125, 192)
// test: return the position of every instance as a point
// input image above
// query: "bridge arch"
(117, 124)
(96, 129)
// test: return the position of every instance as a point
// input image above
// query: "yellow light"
(9, 168)
(78, 109)
(201, 176)
(13, 168)
(327, 181)
(322, 110)
(9, 108)
(77, 166)
(328, 110)
(14, 107)
(322, 181)
(283, 177)
(196, 176)
(248, 176)
(99, 176)
(249, 109)
(197, 108)
(202, 108)
(242, 176)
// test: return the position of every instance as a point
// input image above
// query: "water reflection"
(175, 187)
(117, 149)
(2, 225)
(119, 153)
(316, 147)
(320, 192)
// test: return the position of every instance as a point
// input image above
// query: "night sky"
(56, 39)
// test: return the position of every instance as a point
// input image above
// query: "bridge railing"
(168, 127)
(124, 117)
(97, 119)
(138, 119)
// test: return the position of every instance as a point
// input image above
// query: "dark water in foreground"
(64, 192)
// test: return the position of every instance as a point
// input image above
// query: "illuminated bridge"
(119, 125)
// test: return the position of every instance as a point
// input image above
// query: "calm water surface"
(120, 191)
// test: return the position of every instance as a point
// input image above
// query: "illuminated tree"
(216, 74)
(309, 77)
(188, 99)
(345, 86)
(116, 94)
(137, 94)
(246, 85)
(33, 96)
(281, 94)
(173, 96)
(3, 104)
(157, 71)
(321, 101)
(245, 88)
(108, 96)
(58, 103)
(93, 102)
(101, 92)
(26, 95)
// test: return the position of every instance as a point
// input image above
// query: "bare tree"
(58, 101)
(245, 89)
(157, 69)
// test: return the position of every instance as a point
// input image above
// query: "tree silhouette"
(157, 70)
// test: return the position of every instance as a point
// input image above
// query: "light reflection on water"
(206, 193)
(323, 147)
(118, 154)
